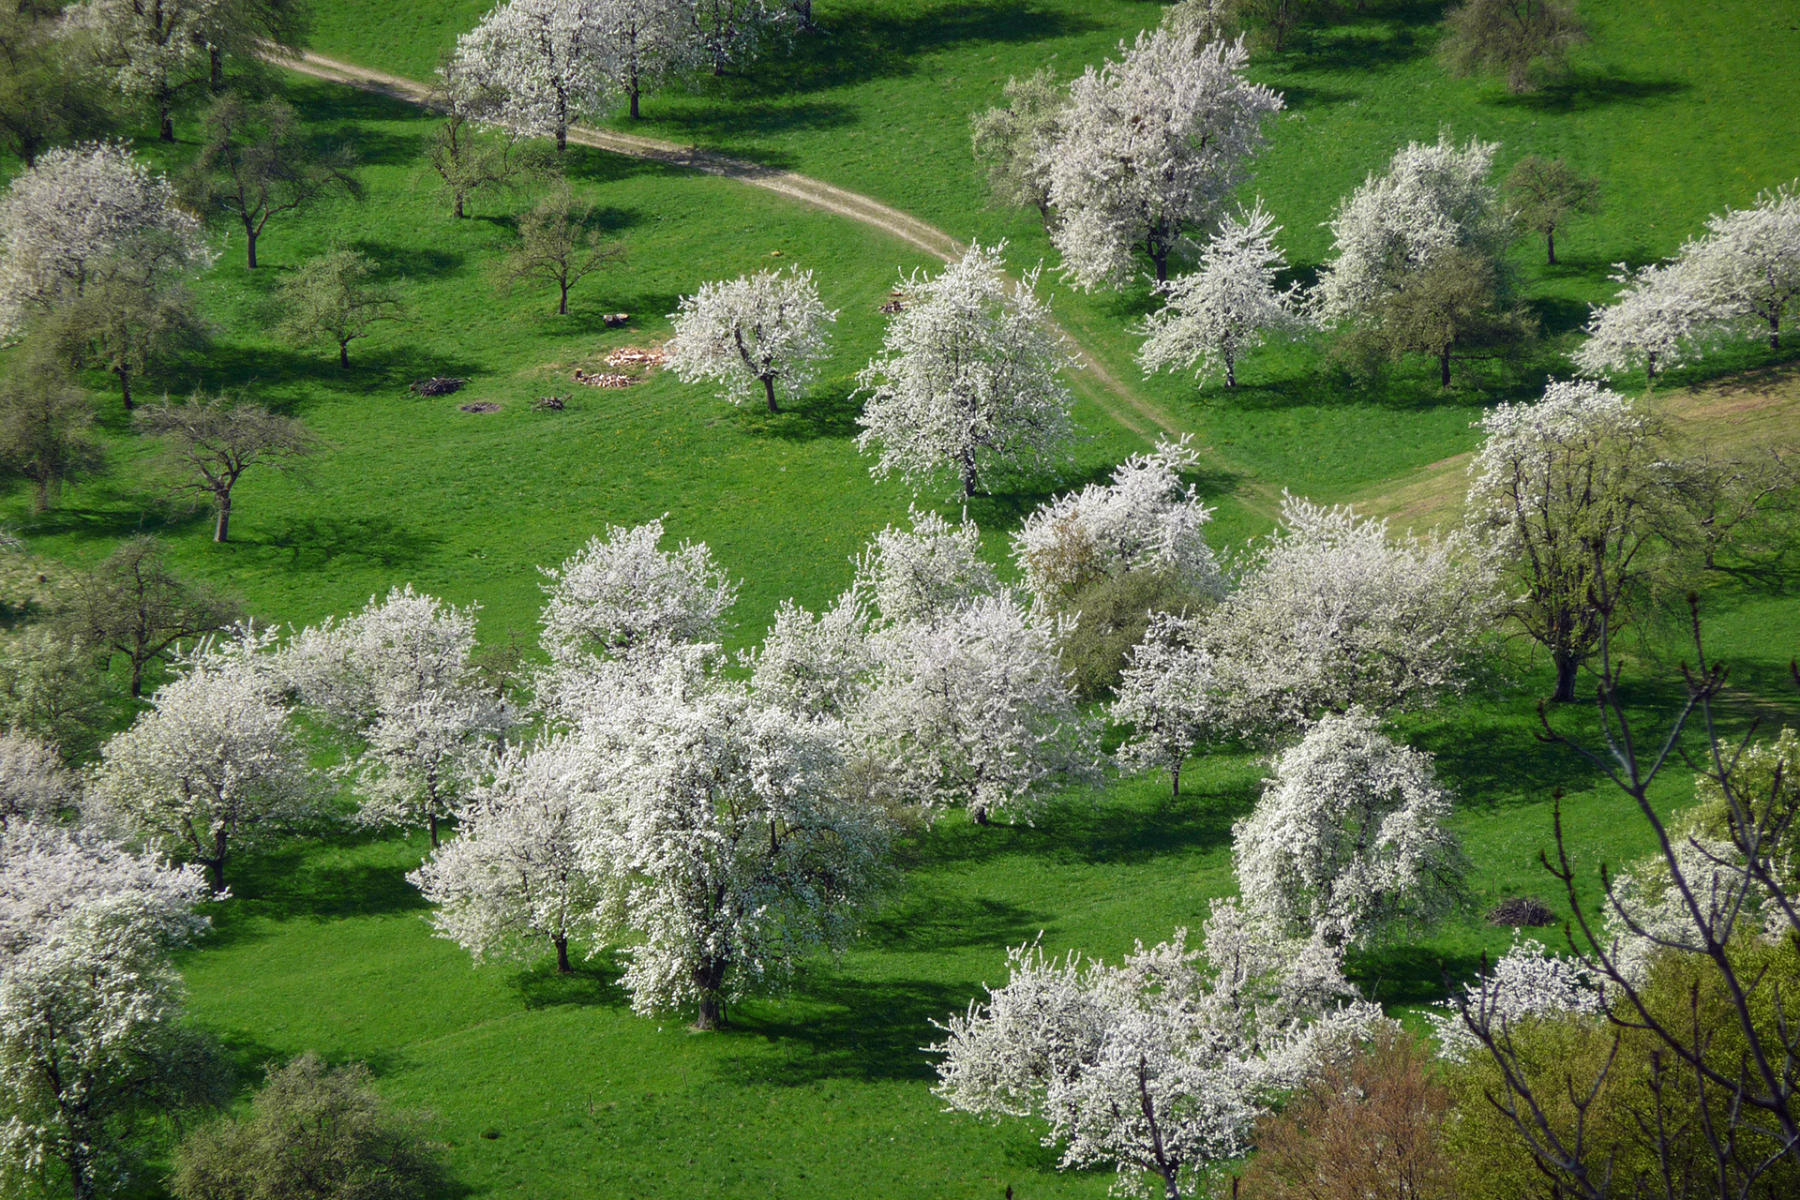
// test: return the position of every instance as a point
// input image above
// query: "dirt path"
(1137, 414)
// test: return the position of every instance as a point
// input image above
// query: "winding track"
(1131, 410)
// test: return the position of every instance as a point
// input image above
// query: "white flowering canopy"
(1527, 981)
(1433, 198)
(757, 337)
(85, 213)
(1168, 696)
(975, 709)
(517, 877)
(1349, 836)
(1151, 147)
(623, 591)
(1146, 519)
(541, 61)
(148, 50)
(1159, 1066)
(35, 785)
(968, 381)
(817, 665)
(1657, 322)
(1215, 315)
(925, 573)
(1333, 613)
(1747, 266)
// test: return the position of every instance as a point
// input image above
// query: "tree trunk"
(1161, 258)
(562, 304)
(222, 531)
(78, 1176)
(216, 80)
(137, 679)
(344, 354)
(216, 864)
(250, 240)
(978, 815)
(1444, 367)
(124, 374)
(562, 956)
(562, 137)
(969, 478)
(709, 980)
(166, 129)
(1566, 668)
(635, 114)
(1775, 332)
(1175, 779)
(431, 820)
(1230, 372)
(40, 500)
(459, 205)
(1550, 244)
(768, 382)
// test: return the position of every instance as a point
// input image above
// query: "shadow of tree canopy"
(828, 414)
(593, 983)
(844, 1029)
(313, 543)
(1581, 91)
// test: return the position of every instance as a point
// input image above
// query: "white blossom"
(1432, 199)
(81, 215)
(517, 876)
(1333, 613)
(398, 678)
(34, 783)
(725, 849)
(1213, 316)
(732, 32)
(968, 379)
(1152, 146)
(1527, 981)
(1656, 323)
(927, 572)
(975, 709)
(1145, 519)
(1159, 1066)
(1349, 836)
(148, 50)
(541, 62)
(644, 43)
(1747, 266)
(215, 765)
(759, 336)
(815, 665)
(1168, 696)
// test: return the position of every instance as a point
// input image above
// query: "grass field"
(1679, 109)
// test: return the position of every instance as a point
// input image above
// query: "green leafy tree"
(1516, 38)
(213, 442)
(336, 299)
(128, 326)
(557, 242)
(1450, 309)
(134, 604)
(45, 430)
(1543, 193)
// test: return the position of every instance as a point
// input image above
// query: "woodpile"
(601, 380)
(549, 404)
(615, 320)
(437, 385)
(632, 356)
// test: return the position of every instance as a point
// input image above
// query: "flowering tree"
(731, 32)
(967, 380)
(34, 783)
(1159, 1066)
(1015, 143)
(215, 764)
(755, 333)
(645, 42)
(1748, 263)
(1213, 316)
(1168, 695)
(517, 875)
(815, 665)
(1151, 147)
(1656, 323)
(150, 52)
(1433, 199)
(85, 214)
(1332, 614)
(724, 849)
(1527, 981)
(926, 573)
(623, 591)
(975, 709)
(1349, 836)
(1570, 489)
(541, 61)
(398, 677)
(1144, 520)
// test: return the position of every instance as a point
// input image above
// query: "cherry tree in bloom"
(645, 42)
(1159, 1066)
(215, 765)
(82, 215)
(1747, 265)
(517, 877)
(35, 785)
(724, 847)
(541, 62)
(1215, 315)
(968, 380)
(1433, 199)
(1527, 981)
(1146, 519)
(1151, 147)
(1334, 613)
(1168, 696)
(815, 664)
(1348, 837)
(757, 335)
(397, 677)
(1656, 323)
(975, 709)
(925, 573)
(149, 51)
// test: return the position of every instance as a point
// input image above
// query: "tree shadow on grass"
(593, 983)
(843, 1029)
(303, 879)
(828, 415)
(1581, 91)
(316, 543)
(757, 119)
(1409, 975)
(393, 263)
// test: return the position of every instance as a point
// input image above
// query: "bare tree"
(467, 159)
(1717, 1104)
(135, 604)
(1510, 37)
(557, 243)
(1543, 193)
(215, 441)
(256, 163)
(336, 298)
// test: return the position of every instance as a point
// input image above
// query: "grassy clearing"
(825, 1093)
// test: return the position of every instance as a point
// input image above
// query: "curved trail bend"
(1125, 406)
